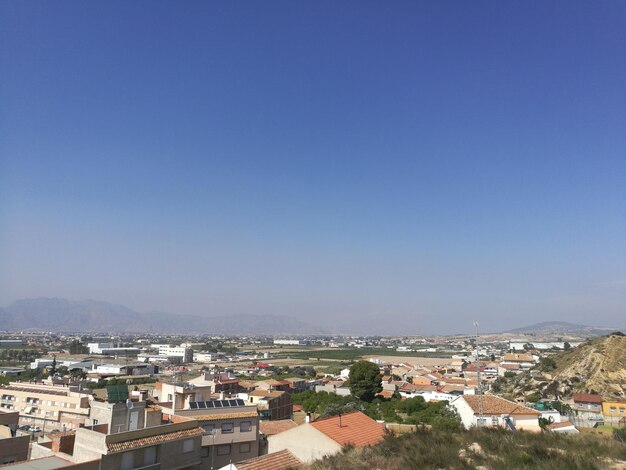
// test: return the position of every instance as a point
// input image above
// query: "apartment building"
(184, 354)
(221, 382)
(127, 434)
(180, 395)
(109, 349)
(271, 405)
(45, 405)
(230, 431)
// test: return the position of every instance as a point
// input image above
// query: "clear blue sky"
(402, 167)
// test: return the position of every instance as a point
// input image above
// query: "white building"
(186, 354)
(496, 412)
(109, 349)
(287, 342)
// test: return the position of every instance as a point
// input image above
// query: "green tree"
(547, 364)
(365, 380)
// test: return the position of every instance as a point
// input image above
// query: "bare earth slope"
(600, 364)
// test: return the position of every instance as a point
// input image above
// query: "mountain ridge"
(561, 327)
(64, 315)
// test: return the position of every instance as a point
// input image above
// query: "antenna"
(480, 389)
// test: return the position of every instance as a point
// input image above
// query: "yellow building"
(615, 409)
(44, 405)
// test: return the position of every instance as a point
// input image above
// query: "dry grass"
(489, 449)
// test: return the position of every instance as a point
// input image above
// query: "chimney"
(307, 419)
(221, 395)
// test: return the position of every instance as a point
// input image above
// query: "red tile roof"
(153, 440)
(269, 428)
(356, 429)
(587, 398)
(253, 413)
(564, 424)
(493, 405)
(281, 460)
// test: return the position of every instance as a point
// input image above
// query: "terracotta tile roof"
(266, 393)
(253, 413)
(456, 380)
(269, 428)
(407, 387)
(247, 383)
(513, 357)
(587, 398)
(297, 408)
(37, 391)
(452, 388)
(281, 460)
(510, 366)
(564, 424)
(493, 405)
(356, 429)
(269, 382)
(385, 394)
(153, 440)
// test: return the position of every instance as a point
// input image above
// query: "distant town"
(141, 401)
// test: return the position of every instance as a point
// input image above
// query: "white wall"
(305, 442)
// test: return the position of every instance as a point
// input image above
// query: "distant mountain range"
(562, 327)
(63, 315)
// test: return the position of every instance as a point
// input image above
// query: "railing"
(154, 466)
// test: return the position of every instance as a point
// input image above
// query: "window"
(621, 410)
(187, 446)
(245, 426)
(613, 409)
(204, 452)
(494, 420)
(128, 461)
(227, 428)
(208, 428)
(224, 449)
(170, 397)
(95, 421)
(149, 457)
(244, 447)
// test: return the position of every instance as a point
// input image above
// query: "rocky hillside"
(597, 366)
(600, 366)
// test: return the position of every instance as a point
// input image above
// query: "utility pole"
(480, 419)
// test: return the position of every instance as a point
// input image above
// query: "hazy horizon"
(422, 163)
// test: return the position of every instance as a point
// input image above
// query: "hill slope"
(481, 448)
(596, 366)
(599, 364)
(63, 315)
(554, 327)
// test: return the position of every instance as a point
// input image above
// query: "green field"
(353, 354)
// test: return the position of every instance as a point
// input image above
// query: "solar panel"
(194, 405)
